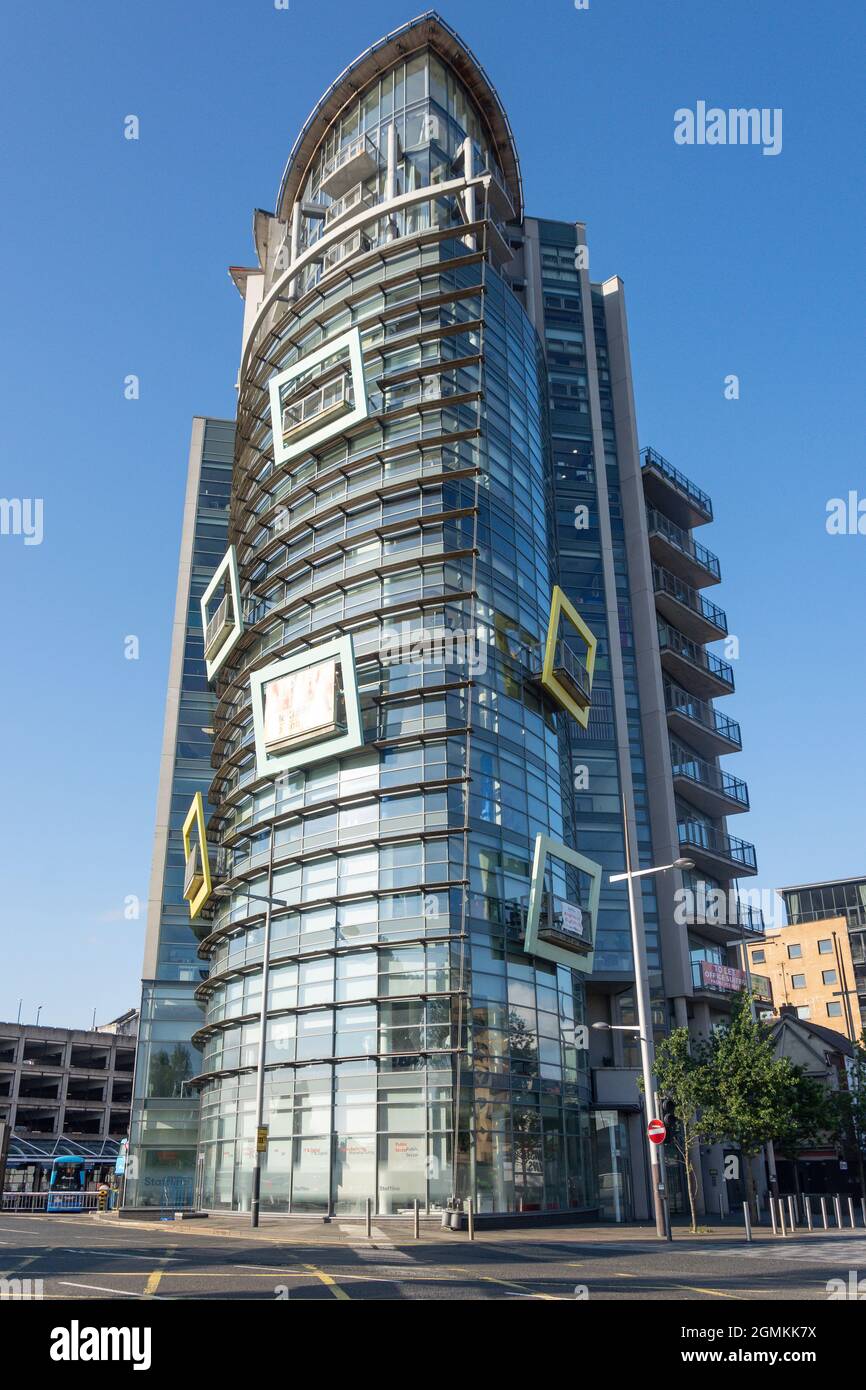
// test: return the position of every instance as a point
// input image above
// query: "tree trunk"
(749, 1183)
(691, 1180)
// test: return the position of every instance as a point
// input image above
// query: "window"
(829, 977)
(795, 952)
(834, 1009)
(825, 947)
(759, 957)
(798, 981)
(803, 1011)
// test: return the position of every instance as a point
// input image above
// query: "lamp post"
(644, 1017)
(224, 891)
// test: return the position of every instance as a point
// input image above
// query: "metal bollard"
(748, 1220)
(837, 1207)
(470, 1211)
(417, 1223)
(851, 1212)
(863, 1209)
(808, 1204)
(824, 1213)
(368, 1216)
(782, 1217)
(773, 1217)
(722, 1207)
(792, 1218)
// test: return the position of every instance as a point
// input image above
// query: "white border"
(350, 340)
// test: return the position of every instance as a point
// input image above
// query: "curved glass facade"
(414, 1049)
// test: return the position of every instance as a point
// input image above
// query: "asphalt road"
(87, 1257)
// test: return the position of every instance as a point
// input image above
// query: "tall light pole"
(644, 1015)
(223, 891)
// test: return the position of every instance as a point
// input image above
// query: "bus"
(66, 1186)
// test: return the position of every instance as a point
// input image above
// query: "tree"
(746, 1088)
(808, 1113)
(680, 1065)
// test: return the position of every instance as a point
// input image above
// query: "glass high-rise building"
(459, 651)
(164, 1124)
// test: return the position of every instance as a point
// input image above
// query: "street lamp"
(644, 1024)
(222, 890)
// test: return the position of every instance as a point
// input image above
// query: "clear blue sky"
(116, 256)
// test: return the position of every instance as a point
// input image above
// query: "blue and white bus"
(66, 1185)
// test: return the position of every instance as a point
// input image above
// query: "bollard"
(863, 1209)
(470, 1211)
(792, 1218)
(837, 1207)
(782, 1217)
(722, 1207)
(773, 1217)
(808, 1202)
(748, 1220)
(417, 1219)
(805, 1202)
(851, 1212)
(368, 1216)
(824, 1213)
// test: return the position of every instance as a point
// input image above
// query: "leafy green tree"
(681, 1068)
(747, 1088)
(808, 1116)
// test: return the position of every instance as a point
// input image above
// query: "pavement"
(86, 1256)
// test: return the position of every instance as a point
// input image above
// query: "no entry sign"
(656, 1131)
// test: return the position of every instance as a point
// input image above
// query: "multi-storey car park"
(459, 651)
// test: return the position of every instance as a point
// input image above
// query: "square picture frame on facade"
(563, 675)
(306, 708)
(302, 419)
(224, 627)
(197, 881)
(580, 955)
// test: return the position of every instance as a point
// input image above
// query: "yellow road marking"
(507, 1284)
(330, 1283)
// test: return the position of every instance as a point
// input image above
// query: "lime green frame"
(560, 605)
(195, 817)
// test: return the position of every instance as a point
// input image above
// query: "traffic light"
(669, 1117)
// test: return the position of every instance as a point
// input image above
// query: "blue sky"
(116, 255)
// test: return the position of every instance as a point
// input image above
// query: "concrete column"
(469, 172)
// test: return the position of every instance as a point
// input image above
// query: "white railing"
(38, 1201)
(362, 146)
(355, 198)
(305, 413)
(220, 620)
(352, 246)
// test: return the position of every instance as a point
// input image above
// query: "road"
(84, 1257)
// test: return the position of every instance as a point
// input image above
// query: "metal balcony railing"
(693, 834)
(353, 201)
(218, 626)
(700, 712)
(312, 410)
(671, 639)
(666, 583)
(568, 669)
(650, 458)
(350, 165)
(712, 777)
(192, 873)
(683, 541)
(352, 246)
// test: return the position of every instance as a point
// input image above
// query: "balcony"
(563, 923)
(706, 729)
(568, 670)
(344, 250)
(351, 165)
(352, 202)
(218, 628)
(672, 492)
(193, 874)
(679, 552)
(499, 199)
(707, 786)
(715, 853)
(682, 605)
(701, 672)
(301, 417)
(710, 978)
